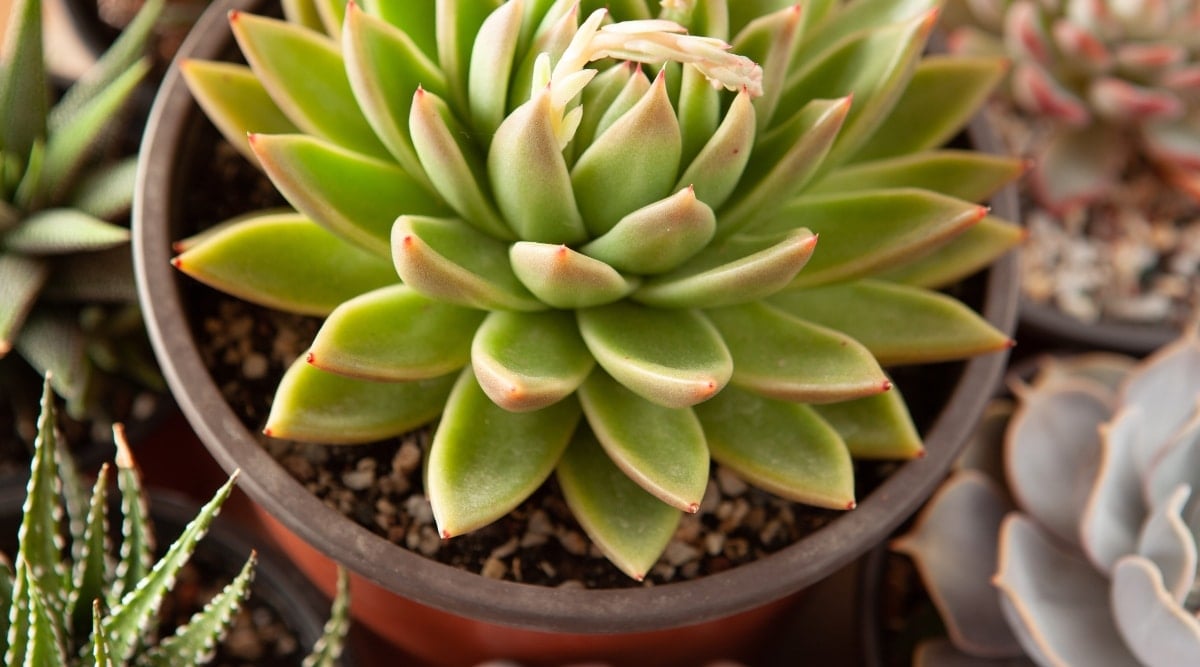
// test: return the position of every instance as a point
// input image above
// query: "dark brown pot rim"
(465, 593)
(1060, 329)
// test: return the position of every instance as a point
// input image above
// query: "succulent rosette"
(1070, 535)
(1115, 81)
(571, 236)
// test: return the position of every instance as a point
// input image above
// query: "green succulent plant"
(1116, 82)
(73, 602)
(67, 296)
(1070, 535)
(572, 237)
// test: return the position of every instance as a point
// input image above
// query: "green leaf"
(18, 617)
(287, 262)
(332, 13)
(195, 642)
(52, 342)
(235, 101)
(490, 69)
(863, 233)
(770, 40)
(106, 193)
(558, 23)
(92, 571)
(661, 449)
(897, 323)
(328, 649)
(785, 357)
(457, 24)
(305, 75)
(675, 358)
(736, 271)
(137, 543)
(484, 460)
(565, 278)
(105, 276)
(312, 405)
(395, 334)
(875, 427)
(628, 524)
(45, 636)
(781, 447)
(24, 93)
(968, 175)
(21, 280)
(352, 195)
(699, 112)
(599, 98)
(631, 164)
(303, 12)
(971, 251)
(527, 361)
(530, 179)
(657, 237)
(417, 19)
(61, 231)
(101, 653)
(448, 260)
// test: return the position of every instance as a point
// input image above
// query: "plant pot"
(1054, 327)
(684, 619)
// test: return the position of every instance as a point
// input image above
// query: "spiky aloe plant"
(573, 238)
(83, 605)
(67, 295)
(1114, 81)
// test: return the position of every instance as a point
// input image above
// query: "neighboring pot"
(1047, 323)
(690, 608)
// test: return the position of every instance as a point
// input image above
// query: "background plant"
(574, 237)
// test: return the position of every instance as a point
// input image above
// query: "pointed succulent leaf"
(629, 525)
(740, 270)
(1163, 388)
(1167, 543)
(1110, 521)
(303, 12)
(455, 170)
(106, 193)
(699, 112)
(565, 278)
(527, 361)
(875, 427)
(234, 99)
(715, 171)
(857, 17)
(21, 280)
(53, 343)
(897, 323)
(304, 73)
(559, 22)
(195, 642)
(24, 90)
(328, 649)
(1036, 91)
(417, 19)
(770, 41)
(779, 446)
(1178, 465)
(1156, 627)
(631, 164)
(457, 23)
(137, 543)
(312, 405)
(18, 616)
(529, 176)
(657, 237)
(675, 358)
(1076, 167)
(448, 260)
(332, 14)
(385, 64)
(484, 460)
(864, 233)
(62, 231)
(352, 195)
(610, 94)
(778, 355)
(285, 261)
(492, 51)
(965, 254)
(966, 175)
(92, 568)
(954, 546)
(45, 639)
(394, 334)
(101, 653)
(662, 449)
(784, 161)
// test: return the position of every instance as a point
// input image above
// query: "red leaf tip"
(851, 505)
(310, 358)
(177, 262)
(887, 384)
(693, 508)
(268, 432)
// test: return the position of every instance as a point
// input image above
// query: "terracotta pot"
(614, 618)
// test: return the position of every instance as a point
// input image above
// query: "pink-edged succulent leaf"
(964, 255)
(1168, 544)
(490, 67)
(875, 427)
(1106, 370)
(1149, 59)
(394, 334)
(456, 25)
(1055, 602)
(657, 237)
(662, 449)
(1120, 101)
(566, 278)
(972, 42)
(628, 524)
(1026, 33)
(235, 100)
(1155, 626)
(715, 170)
(1109, 522)
(477, 439)
(783, 447)
(527, 361)
(967, 175)
(1077, 166)
(770, 40)
(1174, 143)
(778, 354)
(1036, 91)
(1076, 43)
(899, 324)
(675, 358)
(1164, 389)
(21, 280)
(954, 546)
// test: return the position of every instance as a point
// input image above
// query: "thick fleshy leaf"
(1077, 166)
(875, 427)
(675, 358)
(93, 568)
(45, 639)
(565, 278)
(984, 451)
(235, 101)
(657, 237)
(630, 526)
(62, 231)
(717, 168)
(417, 19)
(631, 164)
(661, 449)
(897, 323)
(352, 195)
(864, 233)
(21, 279)
(54, 344)
(600, 99)
(137, 537)
(1157, 628)
(966, 175)
(485, 460)
(1166, 542)
(305, 75)
(106, 193)
(285, 261)
(457, 24)
(954, 546)
(194, 641)
(527, 361)
(24, 91)
(395, 334)
(552, 35)
(1178, 465)
(312, 405)
(740, 270)
(1110, 521)
(965, 254)
(699, 112)
(770, 41)
(492, 51)
(448, 260)
(782, 447)
(1056, 604)
(1164, 388)
(778, 355)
